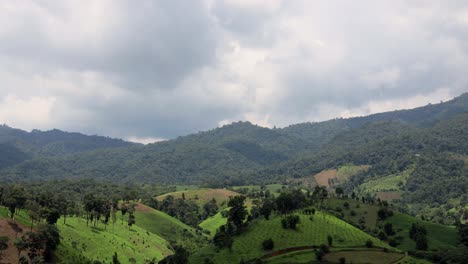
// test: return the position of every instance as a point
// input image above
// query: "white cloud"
(151, 70)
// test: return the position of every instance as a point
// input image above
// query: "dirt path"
(7, 229)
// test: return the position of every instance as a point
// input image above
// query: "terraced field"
(309, 232)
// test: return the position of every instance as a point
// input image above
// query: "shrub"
(369, 243)
(319, 254)
(324, 248)
(268, 244)
(352, 213)
(342, 260)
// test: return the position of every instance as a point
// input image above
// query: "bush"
(290, 221)
(342, 260)
(319, 254)
(268, 244)
(324, 248)
(369, 243)
(352, 213)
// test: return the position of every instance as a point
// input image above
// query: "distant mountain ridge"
(18, 145)
(238, 153)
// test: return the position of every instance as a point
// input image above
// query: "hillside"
(425, 138)
(17, 145)
(313, 231)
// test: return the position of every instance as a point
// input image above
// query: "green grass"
(364, 256)
(346, 171)
(21, 216)
(386, 183)
(96, 243)
(298, 257)
(273, 188)
(366, 211)
(309, 232)
(186, 188)
(439, 236)
(213, 223)
(169, 228)
(202, 196)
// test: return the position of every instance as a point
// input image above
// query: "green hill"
(169, 228)
(133, 245)
(211, 224)
(248, 245)
(439, 236)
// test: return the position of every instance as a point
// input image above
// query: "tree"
(131, 220)
(330, 240)
(268, 244)
(369, 243)
(267, 207)
(115, 259)
(237, 212)
(21, 244)
(180, 256)
(388, 228)
(463, 233)
(339, 191)
(3, 245)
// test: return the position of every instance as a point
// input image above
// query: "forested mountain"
(17, 145)
(241, 153)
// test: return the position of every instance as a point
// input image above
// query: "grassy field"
(364, 256)
(273, 188)
(309, 232)
(338, 176)
(213, 223)
(386, 183)
(299, 257)
(169, 228)
(202, 196)
(439, 236)
(99, 243)
(365, 211)
(21, 216)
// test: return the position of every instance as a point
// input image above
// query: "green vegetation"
(248, 245)
(212, 223)
(364, 256)
(438, 236)
(100, 243)
(201, 196)
(298, 257)
(392, 182)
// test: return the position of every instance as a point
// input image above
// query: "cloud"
(159, 69)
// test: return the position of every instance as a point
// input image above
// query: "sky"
(152, 70)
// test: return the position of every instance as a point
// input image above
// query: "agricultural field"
(335, 177)
(356, 211)
(322, 178)
(393, 182)
(438, 236)
(389, 195)
(166, 226)
(212, 223)
(202, 196)
(312, 230)
(100, 242)
(364, 256)
(298, 257)
(273, 188)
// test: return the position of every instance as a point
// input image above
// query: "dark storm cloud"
(160, 69)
